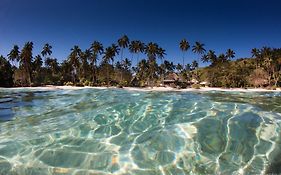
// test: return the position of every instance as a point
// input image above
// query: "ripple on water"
(115, 131)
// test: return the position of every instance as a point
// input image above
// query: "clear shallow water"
(129, 132)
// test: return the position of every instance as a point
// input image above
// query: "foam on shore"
(160, 89)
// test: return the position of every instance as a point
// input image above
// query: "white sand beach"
(160, 89)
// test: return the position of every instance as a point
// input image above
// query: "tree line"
(106, 66)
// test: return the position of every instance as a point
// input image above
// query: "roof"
(204, 83)
(171, 77)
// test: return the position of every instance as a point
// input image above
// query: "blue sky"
(240, 25)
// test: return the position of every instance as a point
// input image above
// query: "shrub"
(123, 83)
(271, 88)
(68, 83)
(258, 77)
(87, 83)
(196, 86)
(79, 84)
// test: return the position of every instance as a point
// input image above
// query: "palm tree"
(168, 67)
(52, 65)
(126, 64)
(268, 57)
(184, 46)
(188, 67)
(115, 50)
(212, 57)
(222, 58)
(123, 43)
(230, 54)
(256, 53)
(14, 54)
(160, 54)
(205, 58)
(26, 61)
(47, 50)
(109, 54)
(179, 68)
(37, 63)
(136, 47)
(152, 51)
(198, 48)
(97, 49)
(37, 70)
(194, 65)
(142, 72)
(85, 56)
(74, 61)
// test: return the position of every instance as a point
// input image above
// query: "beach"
(159, 89)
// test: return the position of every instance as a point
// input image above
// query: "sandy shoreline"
(160, 89)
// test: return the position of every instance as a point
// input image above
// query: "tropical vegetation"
(134, 63)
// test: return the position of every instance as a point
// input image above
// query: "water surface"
(132, 132)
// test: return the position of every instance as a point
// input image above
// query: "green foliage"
(87, 83)
(69, 83)
(95, 66)
(6, 73)
(271, 87)
(196, 86)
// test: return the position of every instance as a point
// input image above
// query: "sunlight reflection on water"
(130, 132)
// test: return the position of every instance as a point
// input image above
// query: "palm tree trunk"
(138, 59)
(107, 75)
(94, 75)
(162, 74)
(183, 59)
(121, 63)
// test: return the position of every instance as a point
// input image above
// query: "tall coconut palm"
(47, 50)
(14, 54)
(152, 50)
(97, 49)
(123, 43)
(212, 57)
(160, 54)
(126, 64)
(109, 55)
(74, 61)
(37, 69)
(84, 57)
(198, 48)
(26, 61)
(115, 50)
(136, 47)
(142, 71)
(52, 65)
(184, 46)
(230, 54)
(37, 63)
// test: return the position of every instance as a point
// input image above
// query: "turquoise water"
(91, 131)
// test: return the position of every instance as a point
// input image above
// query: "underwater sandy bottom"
(131, 131)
